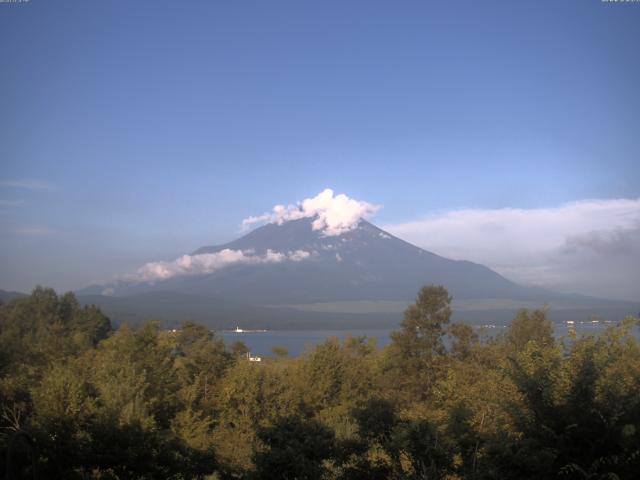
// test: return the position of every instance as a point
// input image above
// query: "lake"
(296, 341)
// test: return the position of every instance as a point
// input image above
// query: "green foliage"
(294, 448)
(414, 358)
(464, 341)
(424, 323)
(239, 349)
(420, 452)
(90, 402)
(79, 400)
(529, 327)
(43, 328)
(280, 351)
(249, 396)
(376, 420)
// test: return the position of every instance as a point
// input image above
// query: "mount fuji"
(292, 273)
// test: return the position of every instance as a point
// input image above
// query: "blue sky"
(140, 130)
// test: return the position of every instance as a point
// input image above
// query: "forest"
(82, 400)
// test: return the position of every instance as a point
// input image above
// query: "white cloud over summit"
(334, 214)
(188, 265)
(590, 246)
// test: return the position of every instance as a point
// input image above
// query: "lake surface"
(297, 341)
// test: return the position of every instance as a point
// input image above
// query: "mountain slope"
(365, 263)
(290, 275)
(7, 296)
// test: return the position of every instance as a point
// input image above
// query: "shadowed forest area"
(81, 400)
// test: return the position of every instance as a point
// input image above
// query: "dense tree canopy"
(81, 400)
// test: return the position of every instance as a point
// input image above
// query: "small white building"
(253, 359)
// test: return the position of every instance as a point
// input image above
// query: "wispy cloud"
(27, 184)
(334, 214)
(188, 265)
(590, 246)
(11, 203)
(34, 231)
